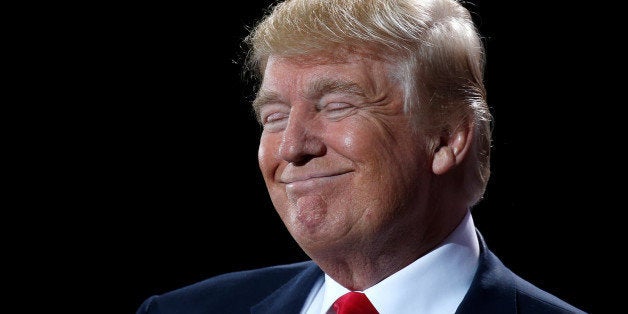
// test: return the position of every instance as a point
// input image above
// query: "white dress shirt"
(436, 283)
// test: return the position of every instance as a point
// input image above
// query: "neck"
(361, 266)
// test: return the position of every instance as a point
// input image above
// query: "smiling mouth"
(311, 182)
(314, 177)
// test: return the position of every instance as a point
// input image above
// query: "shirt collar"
(434, 283)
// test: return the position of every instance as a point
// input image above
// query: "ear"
(452, 149)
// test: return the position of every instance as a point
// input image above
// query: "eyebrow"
(328, 86)
(264, 97)
(316, 90)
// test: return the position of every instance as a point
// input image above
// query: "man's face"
(341, 163)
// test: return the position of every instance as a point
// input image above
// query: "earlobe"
(453, 150)
(444, 159)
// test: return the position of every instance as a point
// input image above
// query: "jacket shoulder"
(233, 292)
(532, 299)
(496, 289)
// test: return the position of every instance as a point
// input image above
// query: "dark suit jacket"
(283, 290)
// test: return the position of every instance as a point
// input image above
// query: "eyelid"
(339, 100)
(273, 111)
(274, 116)
(336, 105)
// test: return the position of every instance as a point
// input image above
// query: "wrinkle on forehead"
(357, 74)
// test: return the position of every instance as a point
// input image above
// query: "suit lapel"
(291, 296)
(493, 288)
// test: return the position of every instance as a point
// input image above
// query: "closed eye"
(336, 106)
(274, 117)
(337, 110)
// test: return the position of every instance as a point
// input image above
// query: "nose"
(301, 140)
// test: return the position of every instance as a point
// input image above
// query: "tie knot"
(354, 303)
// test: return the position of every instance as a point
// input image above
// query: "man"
(375, 147)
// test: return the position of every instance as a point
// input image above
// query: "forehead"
(281, 70)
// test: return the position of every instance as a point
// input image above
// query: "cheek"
(383, 150)
(350, 141)
(267, 157)
(364, 146)
(262, 154)
(269, 165)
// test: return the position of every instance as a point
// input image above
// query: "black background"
(164, 177)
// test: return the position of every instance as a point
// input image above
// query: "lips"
(289, 179)
(310, 182)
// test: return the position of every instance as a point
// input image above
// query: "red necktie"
(354, 303)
